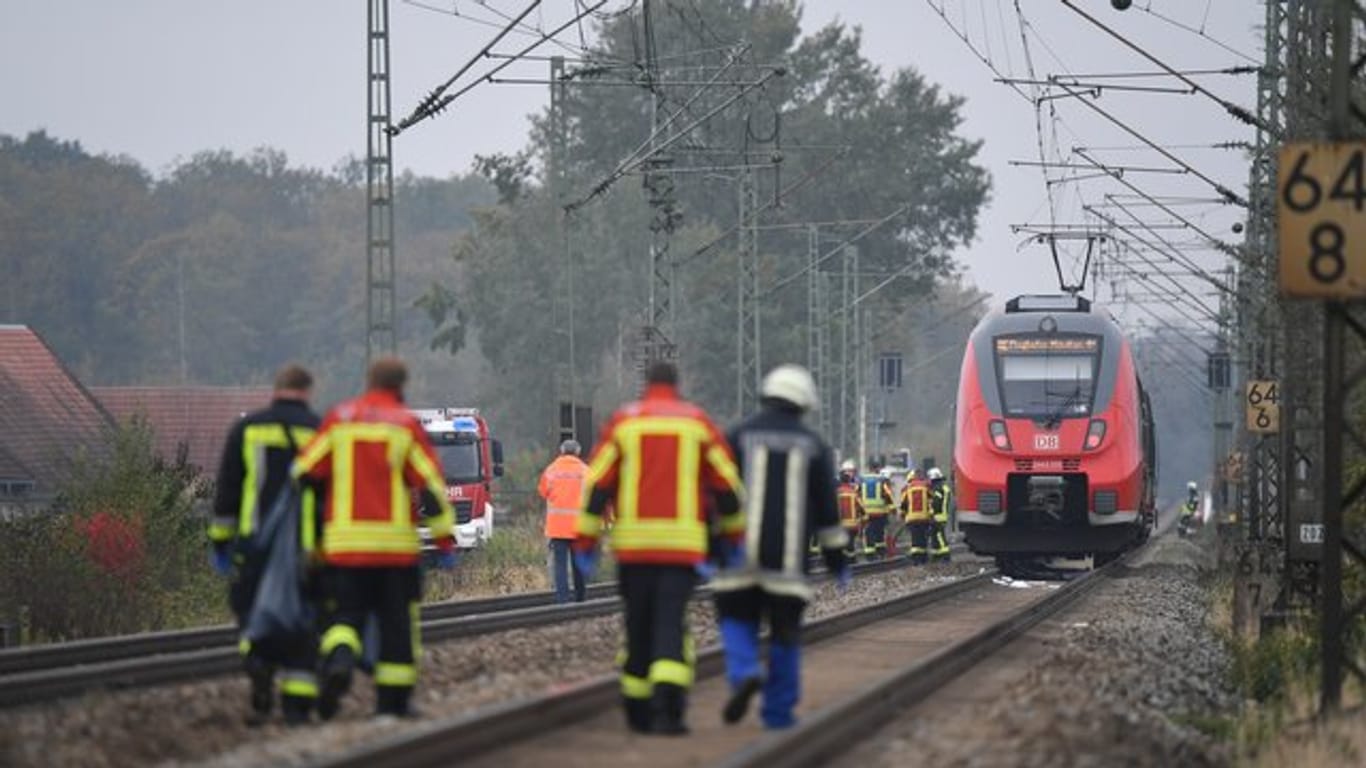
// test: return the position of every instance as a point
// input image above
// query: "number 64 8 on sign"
(1321, 217)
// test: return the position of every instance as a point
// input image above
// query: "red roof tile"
(196, 417)
(46, 416)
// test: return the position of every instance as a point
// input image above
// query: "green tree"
(898, 146)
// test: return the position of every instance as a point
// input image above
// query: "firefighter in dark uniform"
(253, 471)
(664, 465)
(938, 543)
(790, 493)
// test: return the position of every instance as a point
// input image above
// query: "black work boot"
(336, 680)
(393, 700)
(296, 709)
(262, 677)
(639, 714)
(670, 702)
(738, 703)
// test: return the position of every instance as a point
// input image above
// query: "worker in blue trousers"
(789, 477)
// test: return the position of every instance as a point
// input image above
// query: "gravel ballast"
(1120, 679)
(202, 722)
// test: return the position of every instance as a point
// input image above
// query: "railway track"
(858, 665)
(42, 673)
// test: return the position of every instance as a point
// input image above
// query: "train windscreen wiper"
(1055, 417)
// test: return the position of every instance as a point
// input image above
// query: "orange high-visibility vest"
(561, 486)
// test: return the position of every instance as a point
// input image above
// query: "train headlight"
(999, 437)
(1095, 434)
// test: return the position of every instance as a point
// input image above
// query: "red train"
(1054, 452)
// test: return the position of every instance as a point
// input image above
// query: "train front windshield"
(1047, 377)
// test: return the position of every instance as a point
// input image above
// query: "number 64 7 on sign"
(1321, 217)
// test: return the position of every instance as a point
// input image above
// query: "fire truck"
(471, 459)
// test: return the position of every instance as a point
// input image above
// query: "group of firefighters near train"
(316, 527)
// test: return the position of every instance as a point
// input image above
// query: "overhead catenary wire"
(1148, 9)
(629, 165)
(848, 241)
(1230, 195)
(434, 103)
(805, 179)
(1236, 111)
(521, 30)
(1171, 253)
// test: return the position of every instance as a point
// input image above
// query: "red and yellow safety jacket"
(656, 459)
(561, 486)
(850, 504)
(371, 450)
(915, 501)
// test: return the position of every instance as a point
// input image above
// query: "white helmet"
(792, 383)
(885, 473)
(1191, 486)
(848, 466)
(935, 474)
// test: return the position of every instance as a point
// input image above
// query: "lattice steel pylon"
(1306, 68)
(1344, 430)
(655, 342)
(381, 332)
(1316, 64)
(1259, 311)
(818, 321)
(846, 433)
(748, 366)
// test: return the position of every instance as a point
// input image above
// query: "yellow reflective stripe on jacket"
(633, 687)
(441, 524)
(371, 536)
(298, 682)
(686, 531)
(670, 535)
(396, 440)
(256, 440)
(671, 672)
(604, 459)
(221, 533)
(312, 453)
(397, 675)
(308, 520)
(397, 534)
(339, 635)
(721, 463)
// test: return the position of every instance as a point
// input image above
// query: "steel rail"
(104, 649)
(462, 737)
(138, 660)
(819, 738)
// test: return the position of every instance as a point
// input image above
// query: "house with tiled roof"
(47, 419)
(193, 420)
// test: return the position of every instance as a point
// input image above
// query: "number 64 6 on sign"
(1321, 217)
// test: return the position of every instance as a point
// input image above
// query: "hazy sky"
(161, 79)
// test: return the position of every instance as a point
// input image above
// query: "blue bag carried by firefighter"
(280, 610)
